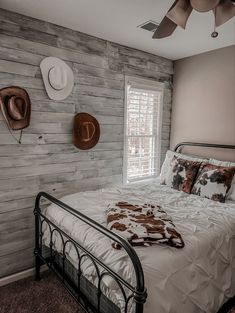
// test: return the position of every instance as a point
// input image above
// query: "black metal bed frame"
(137, 293)
(179, 146)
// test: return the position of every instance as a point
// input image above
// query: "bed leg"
(37, 276)
(37, 248)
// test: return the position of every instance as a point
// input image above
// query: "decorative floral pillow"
(213, 182)
(181, 174)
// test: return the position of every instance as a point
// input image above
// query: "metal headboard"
(179, 146)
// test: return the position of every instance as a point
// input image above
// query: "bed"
(72, 239)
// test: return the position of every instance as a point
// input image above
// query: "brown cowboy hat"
(16, 107)
(86, 131)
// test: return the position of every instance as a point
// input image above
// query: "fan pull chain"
(214, 34)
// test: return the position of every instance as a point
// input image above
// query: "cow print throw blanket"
(142, 225)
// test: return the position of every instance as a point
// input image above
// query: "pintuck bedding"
(198, 278)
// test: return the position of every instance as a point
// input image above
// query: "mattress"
(196, 279)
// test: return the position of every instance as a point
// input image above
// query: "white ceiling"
(117, 20)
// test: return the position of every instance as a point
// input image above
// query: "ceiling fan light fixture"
(180, 13)
(224, 12)
(204, 5)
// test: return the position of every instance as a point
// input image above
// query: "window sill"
(146, 180)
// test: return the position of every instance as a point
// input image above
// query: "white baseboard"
(27, 273)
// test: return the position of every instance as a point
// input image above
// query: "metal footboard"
(129, 292)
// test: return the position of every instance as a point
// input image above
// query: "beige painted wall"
(204, 99)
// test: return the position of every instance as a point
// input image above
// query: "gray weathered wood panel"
(46, 159)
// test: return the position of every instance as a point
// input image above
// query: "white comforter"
(198, 278)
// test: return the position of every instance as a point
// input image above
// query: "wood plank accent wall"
(46, 160)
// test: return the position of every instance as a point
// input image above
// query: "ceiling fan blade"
(164, 29)
(180, 13)
(204, 5)
(224, 12)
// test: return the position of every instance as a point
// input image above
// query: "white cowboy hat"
(58, 78)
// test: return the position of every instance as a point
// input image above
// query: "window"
(142, 142)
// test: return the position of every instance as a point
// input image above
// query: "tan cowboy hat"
(16, 107)
(204, 5)
(58, 78)
(86, 131)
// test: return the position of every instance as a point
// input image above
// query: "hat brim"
(77, 140)
(20, 92)
(52, 93)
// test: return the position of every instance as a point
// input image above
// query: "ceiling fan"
(180, 11)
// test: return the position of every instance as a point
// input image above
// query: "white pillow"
(169, 156)
(231, 193)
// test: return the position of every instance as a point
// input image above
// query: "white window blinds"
(142, 129)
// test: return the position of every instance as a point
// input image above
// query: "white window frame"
(151, 85)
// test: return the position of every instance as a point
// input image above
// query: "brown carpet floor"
(45, 296)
